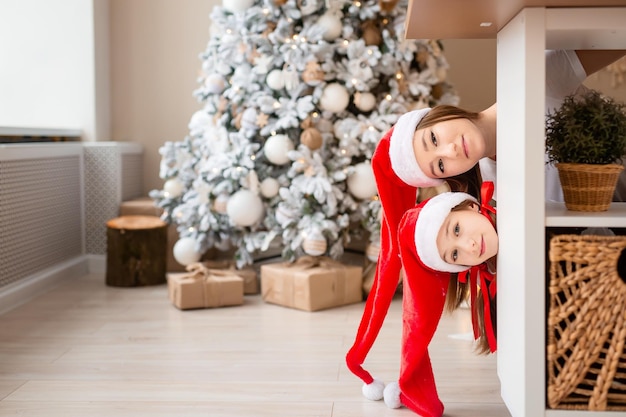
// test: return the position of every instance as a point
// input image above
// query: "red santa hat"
(398, 177)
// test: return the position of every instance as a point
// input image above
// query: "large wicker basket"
(586, 354)
(588, 187)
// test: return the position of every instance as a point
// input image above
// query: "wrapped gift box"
(249, 275)
(201, 287)
(311, 283)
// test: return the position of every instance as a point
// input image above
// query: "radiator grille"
(39, 207)
(113, 173)
(132, 176)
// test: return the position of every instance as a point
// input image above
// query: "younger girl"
(448, 234)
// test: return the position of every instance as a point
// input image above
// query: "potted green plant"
(585, 140)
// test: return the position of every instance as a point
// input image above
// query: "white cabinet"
(523, 215)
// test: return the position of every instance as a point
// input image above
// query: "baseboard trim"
(15, 295)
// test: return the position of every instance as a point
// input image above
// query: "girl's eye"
(456, 230)
(440, 165)
(433, 139)
(455, 255)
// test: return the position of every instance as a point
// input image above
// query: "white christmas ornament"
(275, 79)
(244, 208)
(173, 187)
(276, 148)
(237, 6)
(315, 243)
(335, 98)
(365, 101)
(185, 251)
(269, 187)
(214, 83)
(361, 182)
(331, 24)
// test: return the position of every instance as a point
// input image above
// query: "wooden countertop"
(476, 19)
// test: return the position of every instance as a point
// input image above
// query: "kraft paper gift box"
(201, 287)
(311, 283)
(248, 274)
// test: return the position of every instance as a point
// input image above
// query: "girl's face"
(448, 148)
(467, 238)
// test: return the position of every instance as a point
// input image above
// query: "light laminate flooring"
(85, 349)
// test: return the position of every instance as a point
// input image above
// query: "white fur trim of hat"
(402, 153)
(429, 222)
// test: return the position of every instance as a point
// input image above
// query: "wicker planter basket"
(588, 187)
(586, 354)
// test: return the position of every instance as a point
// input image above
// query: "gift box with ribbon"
(203, 287)
(248, 274)
(311, 283)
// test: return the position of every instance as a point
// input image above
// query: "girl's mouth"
(482, 246)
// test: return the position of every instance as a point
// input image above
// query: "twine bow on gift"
(211, 294)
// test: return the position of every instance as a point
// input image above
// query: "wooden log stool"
(136, 247)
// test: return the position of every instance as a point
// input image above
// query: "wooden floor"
(88, 350)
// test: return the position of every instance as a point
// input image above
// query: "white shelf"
(558, 216)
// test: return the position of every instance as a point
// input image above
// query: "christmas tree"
(295, 96)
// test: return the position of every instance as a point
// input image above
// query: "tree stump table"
(136, 248)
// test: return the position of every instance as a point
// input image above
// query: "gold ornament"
(311, 138)
(422, 57)
(371, 33)
(269, 29)
(387, 6)
(437, 91)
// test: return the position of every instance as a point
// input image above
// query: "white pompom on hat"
(402, 153)
(429, 222)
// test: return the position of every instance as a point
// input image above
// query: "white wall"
(47, 65)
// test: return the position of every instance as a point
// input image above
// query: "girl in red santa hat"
(451, 233)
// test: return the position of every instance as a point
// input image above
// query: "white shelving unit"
(524, 29)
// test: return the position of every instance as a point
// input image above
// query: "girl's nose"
(450, 150)
(471, 246)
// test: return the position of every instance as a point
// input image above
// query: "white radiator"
(40, 208)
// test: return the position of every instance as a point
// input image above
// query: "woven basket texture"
(588, 187)
(586, 354)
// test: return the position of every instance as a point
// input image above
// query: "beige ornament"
(312, 74)
(314, 244)
(311, 138)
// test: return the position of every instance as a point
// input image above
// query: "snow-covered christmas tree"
(295, 96)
